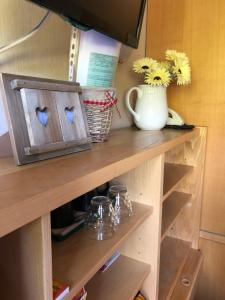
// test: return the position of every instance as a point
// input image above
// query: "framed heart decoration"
(46, 117)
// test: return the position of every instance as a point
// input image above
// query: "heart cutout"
(42, 115)
(69, 111)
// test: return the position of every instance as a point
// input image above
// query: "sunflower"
(158, 77)
(144, 65)
(182, 72)
(173, 55)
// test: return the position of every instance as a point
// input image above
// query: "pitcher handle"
(139, 93)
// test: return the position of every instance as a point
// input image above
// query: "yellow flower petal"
(173, 55)
(158, 77)
(182, 72)
(175, 68)
(144, 65)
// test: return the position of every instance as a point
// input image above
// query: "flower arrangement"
(175, 68)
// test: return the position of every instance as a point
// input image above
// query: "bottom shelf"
(186, 284)
(121, 281)
(179, 267)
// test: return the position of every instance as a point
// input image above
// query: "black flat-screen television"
(119, 19)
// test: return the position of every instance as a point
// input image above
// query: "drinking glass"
(100, 218)
(121, 203)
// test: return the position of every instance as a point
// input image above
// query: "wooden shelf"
(78, 258)
(55, 182)
(187, 280)
(136, 159)
(173, 174)
(172, 259)
(122, 281)
(172, 207)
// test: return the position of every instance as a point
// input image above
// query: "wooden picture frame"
(46, 117)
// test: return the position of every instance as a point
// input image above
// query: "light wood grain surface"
(211, 281)
(172, 207)
(198, 28)
(145, 185)
(182, 25)
(122, 281)
(61, 180)
(219, 238)
(173, 256)
(25, 264)
(187, 225)
(136, 158)
(173, 174)
(188, 279)
(79, 257)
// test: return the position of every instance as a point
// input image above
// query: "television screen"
(119, 19)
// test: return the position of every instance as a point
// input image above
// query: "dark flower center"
(145, 67)
(157, 78)
(179, 70)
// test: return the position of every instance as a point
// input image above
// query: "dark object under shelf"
(62, 216)
(83, 202)
(184, 126)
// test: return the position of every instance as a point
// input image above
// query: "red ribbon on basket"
(109, 101)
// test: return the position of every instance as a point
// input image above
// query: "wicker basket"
(98, 103)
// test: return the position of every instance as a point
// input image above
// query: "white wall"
(46, 54)
(126, 78)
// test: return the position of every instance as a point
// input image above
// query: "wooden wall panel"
(198, 28)
(211, 283)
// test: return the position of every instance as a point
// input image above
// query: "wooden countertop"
(28, 192)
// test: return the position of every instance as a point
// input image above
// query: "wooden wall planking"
(211, 283)
(198, 28)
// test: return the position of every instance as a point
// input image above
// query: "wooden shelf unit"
(78, 258)
(186, 283)
(173, 175)
(155, 166)
(180, 265)
(172, 259)
(172, 207)
(122, 281)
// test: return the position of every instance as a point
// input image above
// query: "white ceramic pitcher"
(151, 111)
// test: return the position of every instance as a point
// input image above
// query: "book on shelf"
(82, 295)
(110, 261)
(60, 290)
